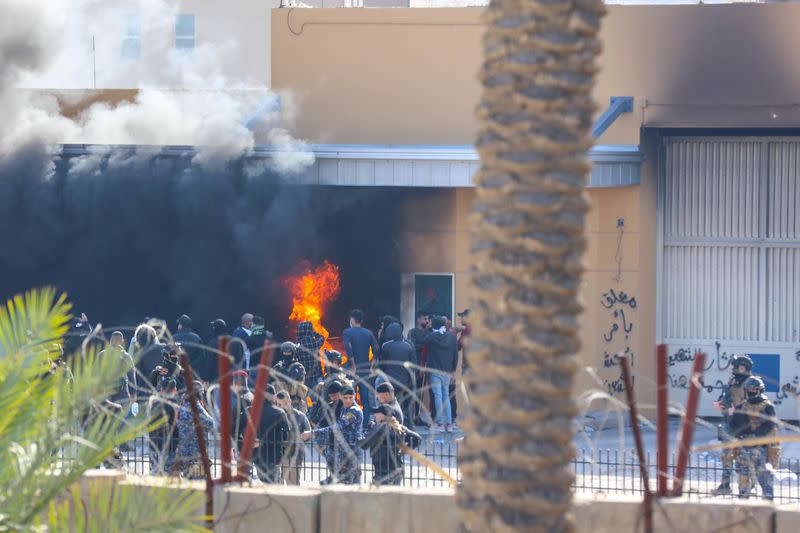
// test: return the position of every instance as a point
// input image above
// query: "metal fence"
(612, 472)
(136, 458)
(617, 472)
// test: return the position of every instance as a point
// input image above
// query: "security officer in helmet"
(754, 417)
(286, 355)
(289, 374)
(297, 389)
(732, 395)
(333, 372)
(343, 454)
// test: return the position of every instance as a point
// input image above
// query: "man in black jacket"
(385, 441)
(395, 360)
(192, 345)
(442, 361)
(272, 435)
(415, 338)
(218, 329)
(148, 355)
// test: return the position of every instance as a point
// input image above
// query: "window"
(131, 38)
(184, 33)
(433, 293)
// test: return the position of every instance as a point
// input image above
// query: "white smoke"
(53, 51)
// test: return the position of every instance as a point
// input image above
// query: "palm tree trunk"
(527, 244)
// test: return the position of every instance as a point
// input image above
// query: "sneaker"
(724, 488)
(449, 428)
(438, 427)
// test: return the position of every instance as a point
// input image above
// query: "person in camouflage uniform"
(346, 434)
(732, 395)
(754, 417)
(289, 375)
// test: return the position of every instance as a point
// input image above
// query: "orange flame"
(312, 291)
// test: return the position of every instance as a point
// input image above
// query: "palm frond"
(55, 425)
(119, 509)
(32, 320)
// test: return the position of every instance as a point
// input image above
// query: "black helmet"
(333, 357)
(218, 327)
(741, 360)
(753, 387)
(297, 372)
(288, 347)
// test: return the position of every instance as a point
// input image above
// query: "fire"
(312, 291)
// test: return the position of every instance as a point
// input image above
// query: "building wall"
(435, 237)
(410, 76)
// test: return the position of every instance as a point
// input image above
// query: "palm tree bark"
(527, 245)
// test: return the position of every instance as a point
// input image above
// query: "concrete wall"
(395, 510)
(379, 76)
(435, 238)
(409, 76)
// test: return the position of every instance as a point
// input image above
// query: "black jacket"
(272, 435)
(147, 359)
(394, 353)
(212, 368)
(442, 351)
(192, 344)
(383, 444)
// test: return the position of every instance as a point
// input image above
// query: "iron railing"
(597, 471)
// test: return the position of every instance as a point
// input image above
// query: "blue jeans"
(363, 388)
(440, 385)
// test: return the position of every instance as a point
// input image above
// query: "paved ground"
(617, 437)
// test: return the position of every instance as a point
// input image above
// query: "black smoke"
(127, 235)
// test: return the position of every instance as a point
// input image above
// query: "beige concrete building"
(694, 232)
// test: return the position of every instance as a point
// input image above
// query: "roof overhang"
(407, 166)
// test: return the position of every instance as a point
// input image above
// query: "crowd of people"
(370, 397)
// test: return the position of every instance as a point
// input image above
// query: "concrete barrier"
(606, 514)
(347, 509)
(393, 509)
(268, 508)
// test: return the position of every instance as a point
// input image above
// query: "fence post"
(661, 421)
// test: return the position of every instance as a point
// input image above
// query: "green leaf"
(55, 425)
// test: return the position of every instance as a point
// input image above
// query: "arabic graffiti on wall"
(780, 370)
(617, 337)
